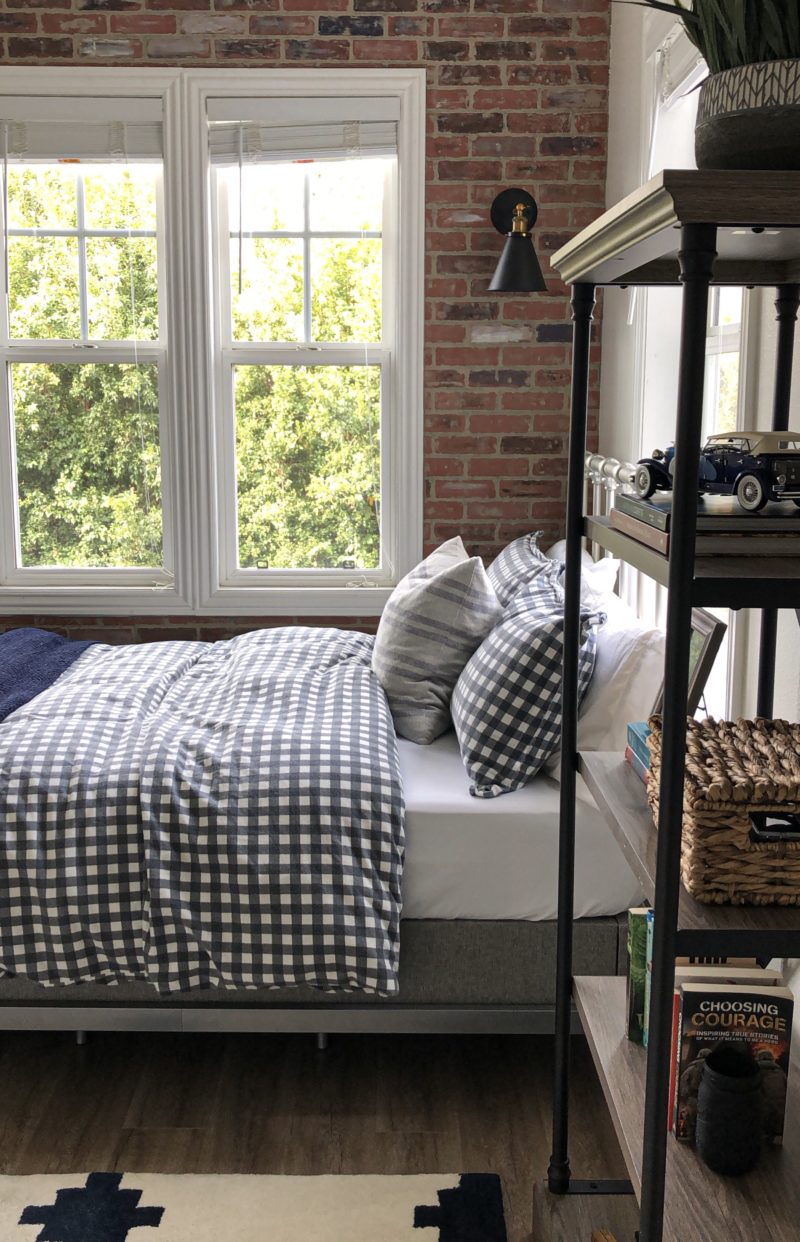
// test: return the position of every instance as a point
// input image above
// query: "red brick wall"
(517, 95)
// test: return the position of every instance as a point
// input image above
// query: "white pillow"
(629, 671)
(598, 578)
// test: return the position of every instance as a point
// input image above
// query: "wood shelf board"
(621, 797)
(574, 1218)
(699, 1204)
(719, 581)
(636, 241)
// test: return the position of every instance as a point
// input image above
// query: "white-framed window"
(211, 339)
(676, 70)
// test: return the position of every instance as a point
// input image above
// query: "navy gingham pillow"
(507, 703)
(517, 565)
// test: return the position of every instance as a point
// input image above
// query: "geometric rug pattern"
(159, 1207)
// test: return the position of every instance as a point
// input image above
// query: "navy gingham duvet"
(194, 814)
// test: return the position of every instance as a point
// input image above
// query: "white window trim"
(190, 431)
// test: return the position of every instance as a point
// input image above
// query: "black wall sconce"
(514, 213)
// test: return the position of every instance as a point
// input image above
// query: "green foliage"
(730, 33)
(87, 434)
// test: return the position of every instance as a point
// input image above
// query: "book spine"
(637, 740)
(637, 952)
(747, 545)
(659, 518)
(635, 762)
(640, 531)
(674, 1059)
(648, 973)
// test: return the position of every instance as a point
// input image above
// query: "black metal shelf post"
(697, 255)
(583, 300)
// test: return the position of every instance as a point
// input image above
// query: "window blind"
(45, 130)
(282, 130)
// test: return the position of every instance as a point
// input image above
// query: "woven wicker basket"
(733, 769)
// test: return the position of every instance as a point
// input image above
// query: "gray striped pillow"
(436, 617)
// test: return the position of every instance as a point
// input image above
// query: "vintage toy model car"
(754, 467)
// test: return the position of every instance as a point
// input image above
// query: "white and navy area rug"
(156, 1207)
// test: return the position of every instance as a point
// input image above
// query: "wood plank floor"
(274, 1104)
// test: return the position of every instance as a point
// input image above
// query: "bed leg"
(81, 1038)
(322, 1042)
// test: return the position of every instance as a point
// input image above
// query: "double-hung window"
(210, 329)
(82, 339)
(305, 326)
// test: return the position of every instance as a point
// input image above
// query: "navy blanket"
(30, 661)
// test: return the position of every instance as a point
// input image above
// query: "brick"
(143, 23)
(531, 445)
(571, 146)
(105, 5)
(385, 49)
(385, 6)
(317, 49)
(533, 25)
(20, 23)
(468, 489)
(468, 25)
(85, 23)
(500, 378)
(469, 311)
(406, 25)
(110, 49)
(469, 75)
(470, 170)
(280, 24)
(366, 26)
(169, 48)
(23, 48)
(446, 49)
(252, 6)
(248, 49)
(469, 123)
(505, 50)
(213, 23)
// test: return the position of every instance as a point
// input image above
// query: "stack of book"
(723, 528)
(716, 1000)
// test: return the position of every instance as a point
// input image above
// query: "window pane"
(729, 307)
(308, 466)
(347, 195)
(346, 290)
(121, 196)
(43, 291)
(270, 305)
(122, 284)
(42, 196)
(88, 464)
(272, 198)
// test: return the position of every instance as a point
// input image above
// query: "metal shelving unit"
(692, 229)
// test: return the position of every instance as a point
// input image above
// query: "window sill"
(110, 601)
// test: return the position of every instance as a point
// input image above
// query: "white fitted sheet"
(497, 858)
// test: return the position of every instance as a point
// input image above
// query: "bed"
(476, 940)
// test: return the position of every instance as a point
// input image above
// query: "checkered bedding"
(194, 814)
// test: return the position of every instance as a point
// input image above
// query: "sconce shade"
(514, 212)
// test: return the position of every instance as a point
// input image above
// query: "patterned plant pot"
(749, 117)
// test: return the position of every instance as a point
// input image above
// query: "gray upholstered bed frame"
(455, 976)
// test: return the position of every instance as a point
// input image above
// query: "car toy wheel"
(796, 501)
(644, 483)
(750, 493)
